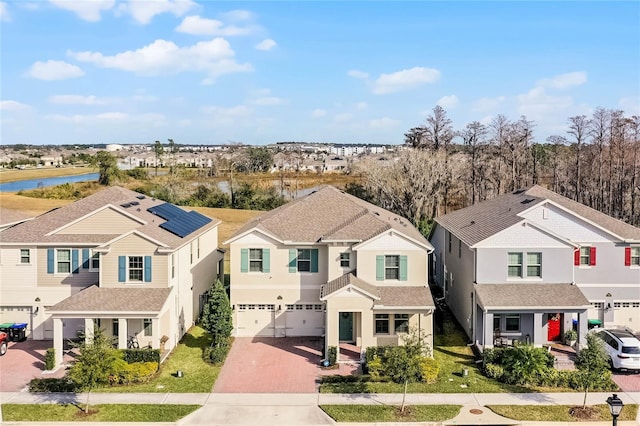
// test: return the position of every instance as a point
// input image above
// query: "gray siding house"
(531, 264)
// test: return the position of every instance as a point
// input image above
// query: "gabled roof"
(528, 296)
(482, 220)
(105, 299)
(329, 214)
(41, 230)
(10, 217)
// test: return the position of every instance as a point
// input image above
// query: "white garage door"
(627, 314)
(255, 320)
(16, 314)
(304, 320)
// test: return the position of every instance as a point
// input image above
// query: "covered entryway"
(346, 327)
(553, 327)
(256, 320)
(304, 320)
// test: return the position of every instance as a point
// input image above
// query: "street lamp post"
(615, 407)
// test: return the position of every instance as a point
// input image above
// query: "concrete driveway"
(271, 365)
(23, 362)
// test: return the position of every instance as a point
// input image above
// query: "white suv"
(623, 348)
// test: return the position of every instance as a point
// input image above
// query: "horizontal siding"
(107, 221)
(83, 279)
(15, 274)
(134, 245)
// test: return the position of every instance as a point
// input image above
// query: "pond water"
(289, 191)
(41, 183)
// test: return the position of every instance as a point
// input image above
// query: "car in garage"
(623, 349)
(4, 342)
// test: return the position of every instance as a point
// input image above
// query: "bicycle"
(132, 343)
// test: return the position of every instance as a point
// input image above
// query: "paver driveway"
(23, 362)
(271, 365)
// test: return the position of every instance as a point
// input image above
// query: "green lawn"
(559, 413)
(391, 413)
(98, 413)
(199, 376)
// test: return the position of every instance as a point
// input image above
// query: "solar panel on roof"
(178, 221)
(166, 211)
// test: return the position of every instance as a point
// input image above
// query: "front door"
(346, 326)
(553, 327)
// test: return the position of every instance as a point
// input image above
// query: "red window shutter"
(627, 256)
(576, 257)
(592, 255)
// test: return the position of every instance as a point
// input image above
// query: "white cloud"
(13, 106)
(85, 9)
(562, 81)
(203, 26)
(342, 118)
(76, 100)
(360, 106)
(384, 122)
(357, 74)
(487, 104)
(226, 116)
(318, 113)
(631, 106)
(238, 15)
(215, 57)
(54, 70)
(266, 44)
(144, 11)
(155, 119)
(269, 100)
(449, 101)
(405, 80)
(4, 12)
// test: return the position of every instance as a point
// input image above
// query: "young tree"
(94, 363)
(216, 314)
(108, 167)
(592, 363)
(403, 366)
(158, 149)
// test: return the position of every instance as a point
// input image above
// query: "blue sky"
(114, 71)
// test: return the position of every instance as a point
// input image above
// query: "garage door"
(16, 314)
(304, 320)
(627, 314)
(255, 320)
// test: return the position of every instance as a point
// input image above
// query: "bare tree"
(578, 128)
(474, 137)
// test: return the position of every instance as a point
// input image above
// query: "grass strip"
(391, 413)
(561, 413)
(97, 413)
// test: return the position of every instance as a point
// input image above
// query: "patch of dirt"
(81, 414)
(587, 413)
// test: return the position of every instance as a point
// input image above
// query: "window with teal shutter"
(379, 268)
(293, 261)
(85, 258)
(314, 260)
(147, 269)
(74, 261)
(266, 260)
(403, 268)
(50, 261)
(244, 260)
(122, 269)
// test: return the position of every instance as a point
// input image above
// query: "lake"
(41, 183)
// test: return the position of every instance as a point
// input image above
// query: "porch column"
(122, 333)
(155, 333)
(487, 339)
(58, 340)
(89, 326)
(583, 328)
(538, 330)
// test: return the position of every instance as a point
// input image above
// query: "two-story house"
(135, 265)
(531, 264)
(329, 264)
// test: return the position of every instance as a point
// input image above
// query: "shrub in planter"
(332, 355)
(570, 336)
(50, 359)
(429, 369)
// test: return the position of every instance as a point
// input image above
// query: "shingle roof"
(9, 216)
(385, 296)
(105, 299)
(329, 214)
(36, 230)
(514, 296)
(480, 221)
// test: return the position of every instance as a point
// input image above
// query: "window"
(515, 265)
(95, 261)
(289, 307)
(449, 242)
(496, 322)
(25, 256)
(459, 248)
(318, 307)
(114, 327)
(512, 322)
(255, 260)
(382, 323)
(148, 327)
(401, 323)
(173, 265)
(191, 252)
(344, 260)
(585, 255)
(135, 268)
(63, 258)
(534, 265)
(304, 260)
(634, 256)
(198, 248)
(391, 267)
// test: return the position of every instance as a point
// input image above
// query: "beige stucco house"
(132, 264)
(332, 265)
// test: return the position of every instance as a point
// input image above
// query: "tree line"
(595, 161)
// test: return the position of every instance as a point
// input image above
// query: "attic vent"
(141, 197)
(125, 205)
(134, 203)
(527, 201)
(519, 191)
(376, 213)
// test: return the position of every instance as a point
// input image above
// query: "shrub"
(141, 355)
(375, 368)
(493, 371)
(218, 353)
(50, 359)
(138, 173)
(429, 370)
(137, 372)
(570, 335)
(52, 385)
(332, 355)
(522, 364)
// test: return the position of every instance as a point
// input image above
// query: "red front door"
(553, 327)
